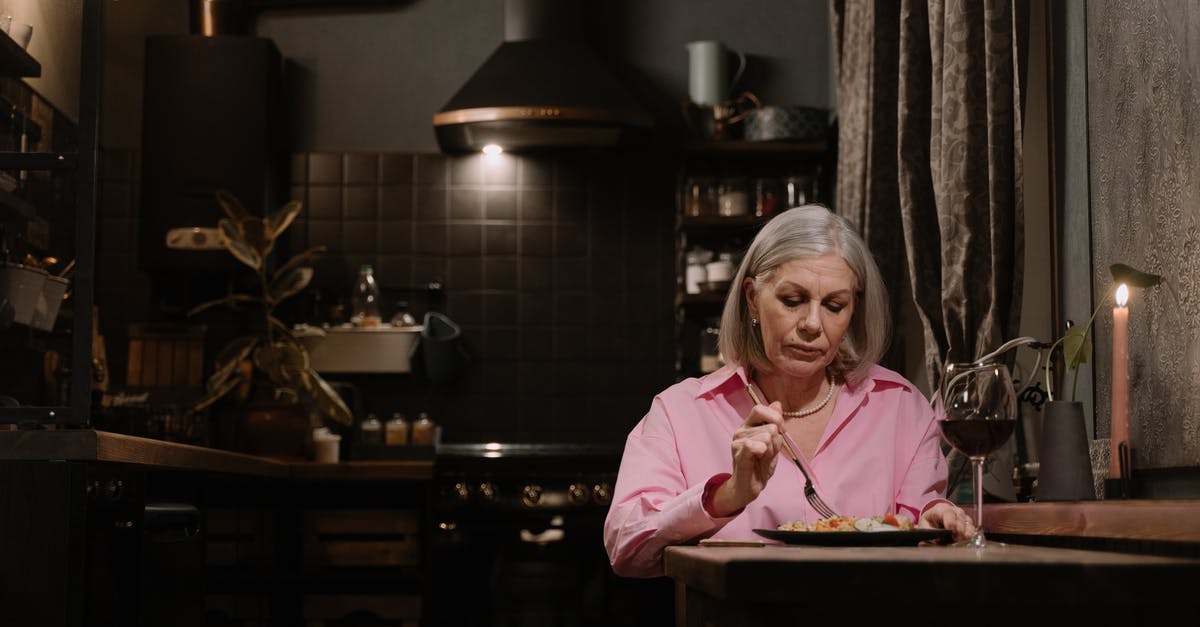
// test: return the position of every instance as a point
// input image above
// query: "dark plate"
(855, 538)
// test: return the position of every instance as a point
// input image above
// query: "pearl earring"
(754, 321)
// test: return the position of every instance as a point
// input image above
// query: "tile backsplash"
(560, 271)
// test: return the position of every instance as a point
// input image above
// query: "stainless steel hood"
(543, 88)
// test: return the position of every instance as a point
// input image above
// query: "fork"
(810, 492)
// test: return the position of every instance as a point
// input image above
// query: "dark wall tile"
(466, 170)
(360, 202)
(431, 203)
(535, 274)
(570, 273)
(500, 309)
(536, 241)
(536, 309)
(535, 343)
(396, 237)
(571, 308)
(464, 273)
(327, 233)
(430, 239)
(396, 168)
(571, 342)
(499, 169)
(534, 172)
(466, 204)
(395, 271)
(465, 240)
(536, 204)
(360, 168)
(431, 170)
(464, 307)
(570, 239)
(360, 237)
(500, 273)
(501, 204)
(396, 202)
(299, 168)
(501, 344)
(325, 202)
(570, 205)
(325, 168)
(500, 239)
(428, 268)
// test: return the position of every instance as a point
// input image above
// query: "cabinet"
(725, 191)
(68, 163)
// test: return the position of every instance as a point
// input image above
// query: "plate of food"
(887, 530)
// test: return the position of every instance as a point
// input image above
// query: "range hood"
(543, 88)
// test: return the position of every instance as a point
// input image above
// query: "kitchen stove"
(518, 539)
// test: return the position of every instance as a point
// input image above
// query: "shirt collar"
(735, 377)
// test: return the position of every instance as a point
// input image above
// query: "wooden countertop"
(852, 585)
(1142, 520)
(103, 446)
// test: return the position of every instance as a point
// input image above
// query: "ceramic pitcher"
(709, 80)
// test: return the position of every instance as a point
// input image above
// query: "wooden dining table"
(775, 584)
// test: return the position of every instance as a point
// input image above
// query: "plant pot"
(279, 430)
(1065, 470)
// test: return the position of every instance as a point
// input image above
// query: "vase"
(278, 430)
(1065, 470)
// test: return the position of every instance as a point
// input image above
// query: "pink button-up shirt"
(879, 454)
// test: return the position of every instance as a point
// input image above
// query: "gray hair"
(808, 232)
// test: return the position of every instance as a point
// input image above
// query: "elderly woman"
(805, 322)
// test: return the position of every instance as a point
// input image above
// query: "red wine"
(977, 437)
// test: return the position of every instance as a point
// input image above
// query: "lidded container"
(396, 430)
(422, 431)
(371, 430)
(365, 299)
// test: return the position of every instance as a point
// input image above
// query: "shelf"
(15, 62)
(38, 161)
(721, 221)
(703, 298)
(734, 147)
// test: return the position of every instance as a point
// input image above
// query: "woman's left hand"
(947, 515)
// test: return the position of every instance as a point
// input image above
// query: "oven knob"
(577, 494)
(602, 493)
(462, 492)
(487, 491)
(531, 495)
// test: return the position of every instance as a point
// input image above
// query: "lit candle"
(1120, 382)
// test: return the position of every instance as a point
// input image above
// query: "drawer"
(361, 537)
(336, 610)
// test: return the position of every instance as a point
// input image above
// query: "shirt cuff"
(710, 490)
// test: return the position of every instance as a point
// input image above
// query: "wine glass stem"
(977, 463)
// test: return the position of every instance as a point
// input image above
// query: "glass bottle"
(372, 431)
(365, 299)
(422, 431)
(396, 433)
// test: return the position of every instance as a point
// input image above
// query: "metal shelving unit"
(16, 62)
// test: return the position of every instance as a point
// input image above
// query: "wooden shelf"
(703, 298)
(721, 221)
(37, 160)
(15, 62)
(733, 147)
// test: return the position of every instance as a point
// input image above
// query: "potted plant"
(1065, 472)
(268, 371)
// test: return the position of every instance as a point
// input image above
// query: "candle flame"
(1122, 295)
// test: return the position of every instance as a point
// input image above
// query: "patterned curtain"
(930, 98)
(930, 103)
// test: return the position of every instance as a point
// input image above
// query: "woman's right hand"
(755, 447)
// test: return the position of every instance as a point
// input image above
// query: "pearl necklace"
(800, 413)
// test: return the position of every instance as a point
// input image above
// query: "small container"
(795, 191)
(372, 431)
(422, 431)
(325, 446)
(365, 299)
(733, 199)
(768, 197)
(697, 274)
(396, 431)
(699, 197)
(710, 356)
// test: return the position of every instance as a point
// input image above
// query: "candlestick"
(1120, 382)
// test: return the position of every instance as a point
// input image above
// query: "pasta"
(888, 522)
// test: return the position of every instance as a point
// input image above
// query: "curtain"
(930, 99)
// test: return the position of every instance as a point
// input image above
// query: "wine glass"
(978, 415)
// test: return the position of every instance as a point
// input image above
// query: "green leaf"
(256, 235)
(327, 400)
(217, 394)
(228, 359)
(280, 220)
(299, 259)
(284, 363)
(234, 240)
(1076, 349)
(1122, 273)
(227, 300)
(232, 206)
(289, 284)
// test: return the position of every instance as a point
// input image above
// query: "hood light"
(492, 150)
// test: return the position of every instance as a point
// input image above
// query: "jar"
(371, 431)
(699, 197)
(422, 431)
(396, 431)
(720, 272)
(697, 274)
(710, 355)
(795, 191)
(768, 196)
(733, 199)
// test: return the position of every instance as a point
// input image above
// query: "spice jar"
(699, 197)
(768, 196)
(733, 199)
(710, 356)
(697, 274)
(396, 432)
(371, 431)
(422, 431)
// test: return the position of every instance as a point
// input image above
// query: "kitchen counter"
(1141, 526)
(89, 445)
(775, 585)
